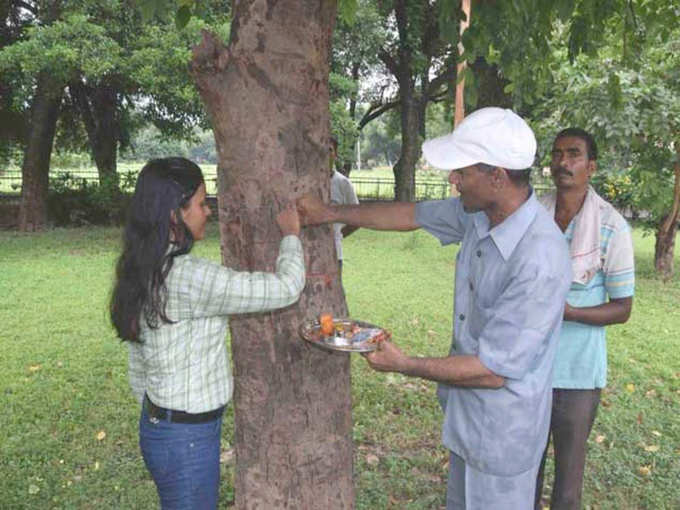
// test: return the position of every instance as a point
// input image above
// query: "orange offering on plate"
(326, 323)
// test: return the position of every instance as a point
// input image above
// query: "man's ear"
(499, 177)
(592, 167)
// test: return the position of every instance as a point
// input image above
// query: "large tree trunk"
(36, 164)
(98, 108)
(267, 96)
(665, 235)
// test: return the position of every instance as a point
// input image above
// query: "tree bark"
(267, 97)
(490, 85)
(99, 110)
(347, 165)
(405, 167)
(36, 164)
(665, 235)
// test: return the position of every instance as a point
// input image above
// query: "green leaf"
(347, 10)
(182, 17)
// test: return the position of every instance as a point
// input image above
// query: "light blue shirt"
(581, 359)
(511, 285)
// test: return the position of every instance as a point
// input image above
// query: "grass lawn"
(68, 434)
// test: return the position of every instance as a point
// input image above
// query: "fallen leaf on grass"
(650, 394)
(372, 460)
(645, 470)
(639, 419)
(605, 403)
(656, 433)
(34, 368)
(600, 438)
(630, 388)
(101, 435)
(33, 489)
(652, 448)
(96, 466)
(226, 456)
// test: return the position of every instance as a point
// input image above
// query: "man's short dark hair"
(575, 132)
(519, 178)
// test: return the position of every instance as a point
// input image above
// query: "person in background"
(342, 193)
(601, 293)
(511, 278)
(172, 309)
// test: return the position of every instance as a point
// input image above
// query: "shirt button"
(461, 317)
(479, 253)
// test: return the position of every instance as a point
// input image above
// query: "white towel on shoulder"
(586, 259)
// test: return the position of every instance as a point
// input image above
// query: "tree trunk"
(267, 97)
(347, 165)
(405, 168)
(98, 108)
(36, 164)
(490, 85)
(665, 235)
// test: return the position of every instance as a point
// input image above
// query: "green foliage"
(347, 11)
(106, 44)
(65, 49)
(633, 112)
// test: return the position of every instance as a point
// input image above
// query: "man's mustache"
(562, 170)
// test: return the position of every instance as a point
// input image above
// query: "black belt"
(161, 413)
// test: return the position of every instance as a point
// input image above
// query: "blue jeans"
(184, 461)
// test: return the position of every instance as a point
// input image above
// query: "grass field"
(68, 434)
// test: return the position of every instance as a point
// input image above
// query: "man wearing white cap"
(512, 275)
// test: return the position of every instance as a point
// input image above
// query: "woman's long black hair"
(163, 185)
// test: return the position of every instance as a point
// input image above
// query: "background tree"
(106, 69)
(43, 64)
(423, 66)
(355, 66)
(630, 100)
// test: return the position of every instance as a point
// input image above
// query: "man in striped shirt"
(601, 293)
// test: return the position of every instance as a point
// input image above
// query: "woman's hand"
(289, 221)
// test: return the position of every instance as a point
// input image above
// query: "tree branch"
(30, 8)
(376, 111)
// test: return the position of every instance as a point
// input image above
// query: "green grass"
(63, 380)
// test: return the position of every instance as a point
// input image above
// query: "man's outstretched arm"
(389, 216)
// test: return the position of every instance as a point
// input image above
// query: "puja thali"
(349, 335)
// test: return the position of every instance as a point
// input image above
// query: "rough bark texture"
(665, 235)
(98, 109)
(36, 164)
(267, 96)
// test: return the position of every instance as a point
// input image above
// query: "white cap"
(494, 136)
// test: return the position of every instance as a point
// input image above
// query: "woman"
(172, 309)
